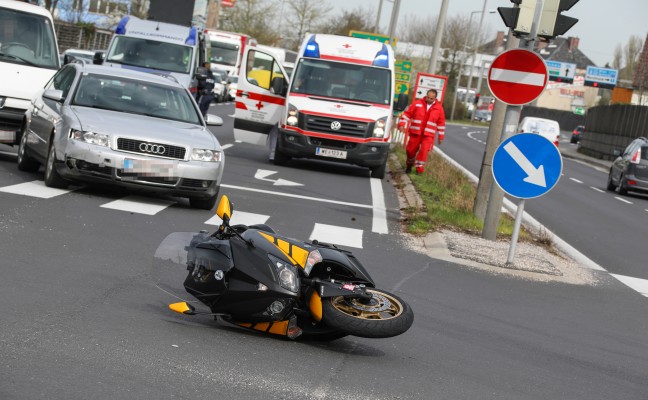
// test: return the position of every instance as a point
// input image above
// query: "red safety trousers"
(424, 126)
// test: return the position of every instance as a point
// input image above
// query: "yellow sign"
(402, 77)
(402, 87)
(403, 66)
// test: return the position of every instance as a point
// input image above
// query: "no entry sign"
(517, 76)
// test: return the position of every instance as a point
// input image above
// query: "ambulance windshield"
(343, 81)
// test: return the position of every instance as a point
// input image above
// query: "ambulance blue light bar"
(312, 48)
(191, 39)
(382, 58)
(121, 27)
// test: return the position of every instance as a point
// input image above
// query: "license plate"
(7, 136)
(319, 151)
(136, 168)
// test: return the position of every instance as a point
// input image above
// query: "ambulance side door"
(258, 108)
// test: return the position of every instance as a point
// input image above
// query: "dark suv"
(630, 170)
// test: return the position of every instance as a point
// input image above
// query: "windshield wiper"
(19, 59)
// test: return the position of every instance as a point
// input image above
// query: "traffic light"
(520, 18)
(476, 99)
(552, 23)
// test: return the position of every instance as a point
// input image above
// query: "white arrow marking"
(263, 174)
(535, 175)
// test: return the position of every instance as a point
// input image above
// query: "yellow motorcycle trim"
(315, 306)
(295, 253)
(277, 328)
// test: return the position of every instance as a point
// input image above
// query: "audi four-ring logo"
(152, 148)
(336, 125)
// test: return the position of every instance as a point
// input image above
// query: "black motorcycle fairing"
(343, 266)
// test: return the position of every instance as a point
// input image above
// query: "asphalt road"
(82, 319)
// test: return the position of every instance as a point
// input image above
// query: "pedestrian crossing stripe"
(36, 189)
(240, 218)
(139, 204)
(337, 235)
(637, 284)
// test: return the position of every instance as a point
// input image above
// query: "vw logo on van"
(336, 125)
(2, 101)
(152, 148)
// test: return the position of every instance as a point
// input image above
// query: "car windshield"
(27, 39)
(542, 126)
(343, 81)
(150, 54)
(135, 97)
(224, 53)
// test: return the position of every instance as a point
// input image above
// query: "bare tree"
(139, 8)
(253, 17)
(304, 14)
(358, 19)
(631, 53)
(419, 30)
(617, 61)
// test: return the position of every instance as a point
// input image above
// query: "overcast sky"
(602, 25)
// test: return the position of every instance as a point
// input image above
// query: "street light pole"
(438, 36)
(378, 17)
(454, 98)
(392, 23)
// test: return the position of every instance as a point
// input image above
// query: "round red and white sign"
(517, 77)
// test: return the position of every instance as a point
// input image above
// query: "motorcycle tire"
(317, 331)
(386, 315)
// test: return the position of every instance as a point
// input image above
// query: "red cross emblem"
(346, 46)
(259, 105)
(338, 106)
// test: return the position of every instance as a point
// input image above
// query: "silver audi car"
(123, 127)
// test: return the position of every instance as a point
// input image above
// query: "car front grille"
(337, 144)
(324, 124)
(135, 146)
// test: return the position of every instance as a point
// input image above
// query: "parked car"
(483, 115)
(548, 128)
(232, 83)
(123, 127)
(576, 134)
(630, 170)
(219, 90)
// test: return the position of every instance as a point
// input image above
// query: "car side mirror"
(214, 120)
(54, 94)
(401, 102)
(67, 59)
(99, 57)
(201, 73)
(279, 85)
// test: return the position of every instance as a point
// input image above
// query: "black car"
(576, 134)
(629, 172)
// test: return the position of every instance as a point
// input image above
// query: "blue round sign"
(527, 165)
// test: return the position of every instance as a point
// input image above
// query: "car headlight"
(90, 137)
(286, 274)
(293, 115)
(313, 258)
(379, 127)
(206, 155)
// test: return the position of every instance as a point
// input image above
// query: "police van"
(159, 47)
(337, 106)
(28, 59)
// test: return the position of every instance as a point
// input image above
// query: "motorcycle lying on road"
(251, 277)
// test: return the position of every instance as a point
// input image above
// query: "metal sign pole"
(516, 231)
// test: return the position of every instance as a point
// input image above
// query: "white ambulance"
(28, 59)
(227, 49)
(160, 48)
(338, 105)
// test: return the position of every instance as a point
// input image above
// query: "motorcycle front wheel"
(385, 315)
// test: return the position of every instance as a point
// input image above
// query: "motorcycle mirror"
(224, 210)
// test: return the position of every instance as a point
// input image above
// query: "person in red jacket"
(426, 119)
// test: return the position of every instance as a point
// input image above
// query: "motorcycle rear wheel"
(386, 315)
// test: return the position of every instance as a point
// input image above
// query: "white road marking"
(263, 174)
(35, 189)
(623, 200)
(226, 146)
(379, 222)
(470, 135)
(597, 189)
(337, 235)
(231, 115)
(640, 285)
(139, 204)
(6, 153)
(576, 180)
(297, 196)
(240, 217)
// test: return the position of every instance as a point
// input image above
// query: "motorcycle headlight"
(313, 258)
(90, 137)
(206, 155)
(286, 274)
(379, 127)
(293, 115)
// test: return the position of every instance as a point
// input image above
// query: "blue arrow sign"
(527, 165)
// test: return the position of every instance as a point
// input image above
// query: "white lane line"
(597, 189)
(576, 180)
(240, 217)
(226, 146)
(6, 153)
(139, 204)
(231, 115)
(640, 285)
(379, 222)
(623, 200)
(337, 235)
(297, 196)
(36, 189)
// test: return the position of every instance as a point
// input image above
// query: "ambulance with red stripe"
(337, 106)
